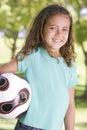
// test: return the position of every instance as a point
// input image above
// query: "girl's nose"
(58, 33)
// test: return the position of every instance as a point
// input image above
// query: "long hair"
(35, 36)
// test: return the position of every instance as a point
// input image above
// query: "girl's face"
(56, 32)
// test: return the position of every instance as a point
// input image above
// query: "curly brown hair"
(35, 36)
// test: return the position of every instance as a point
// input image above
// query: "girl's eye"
(53, 28)
(66, 30)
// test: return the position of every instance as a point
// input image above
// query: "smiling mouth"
(57, 40)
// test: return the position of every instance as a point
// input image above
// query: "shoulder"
(32, 55)
(30, 60)
(72, 67)
(70, 70)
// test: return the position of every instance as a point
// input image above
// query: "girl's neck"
(53, 53)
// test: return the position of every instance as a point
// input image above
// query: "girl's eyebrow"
(57, 25)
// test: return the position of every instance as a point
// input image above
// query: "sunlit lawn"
(7, 124)
(81, 119)
(81, 110)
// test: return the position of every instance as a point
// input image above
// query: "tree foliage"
(81, 30)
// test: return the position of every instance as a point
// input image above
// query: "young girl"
(47, 61)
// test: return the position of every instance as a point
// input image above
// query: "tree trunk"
(13, 49)
(85, 54)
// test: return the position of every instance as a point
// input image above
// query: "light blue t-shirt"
(50, 80)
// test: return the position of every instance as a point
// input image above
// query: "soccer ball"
(15, 95)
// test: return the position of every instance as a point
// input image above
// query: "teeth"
(57, 40)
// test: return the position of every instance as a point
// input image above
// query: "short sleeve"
(74, 77)
(22, 65)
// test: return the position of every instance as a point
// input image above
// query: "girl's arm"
(9, 67)
(70, 115)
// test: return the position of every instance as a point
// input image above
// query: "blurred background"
(15, 19)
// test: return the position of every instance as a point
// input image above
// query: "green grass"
(81, 109)
(81, 119)
(80, 102)
(7, 124)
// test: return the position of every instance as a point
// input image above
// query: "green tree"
(16, 16)
(81, 30)
(81, 36)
